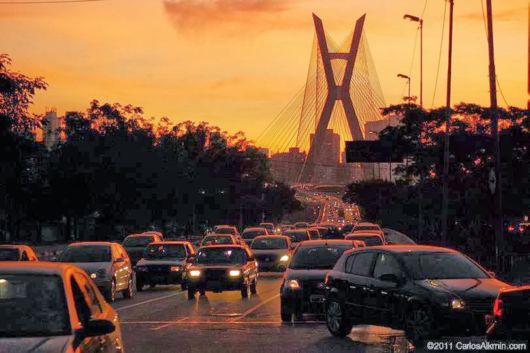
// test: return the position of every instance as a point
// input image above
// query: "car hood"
(146, 262)
(483, 288)
(56, 344)
(90, 267)
(270, 252)
(306, 275)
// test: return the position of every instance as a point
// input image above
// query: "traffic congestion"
(315, 282)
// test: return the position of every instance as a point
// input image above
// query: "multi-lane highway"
(162, 319)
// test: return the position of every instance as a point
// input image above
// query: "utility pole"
(445, 176)
(495, 134)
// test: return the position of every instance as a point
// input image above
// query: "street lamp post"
(408, 83)
(445, 176)
(420, 23)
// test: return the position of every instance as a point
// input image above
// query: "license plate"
(316, 298)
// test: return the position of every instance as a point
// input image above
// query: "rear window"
(9, 254)
(297, 236)
(369, 240)
(138, 241)
(317, 257)
(366, 228)
(226, 231)
(269, 243)
(251, 234)
(86, 253)
(215, 239)
(163, 251)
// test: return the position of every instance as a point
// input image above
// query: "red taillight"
(497, 308)
(511, 228)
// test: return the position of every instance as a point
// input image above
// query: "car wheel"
(336, 321)
(191, 293)
(111, 293)
(244, 291)
(253, 287)
(418, 325)
(139, 285)
(128, 293)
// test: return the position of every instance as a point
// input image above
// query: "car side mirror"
(390, 277)
(119, 260)
(95, 328)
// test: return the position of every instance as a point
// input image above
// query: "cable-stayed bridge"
(342, 93)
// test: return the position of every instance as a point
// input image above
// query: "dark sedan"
(272, 252)
(303, 289)
(426, 291)
(219, 268)
(135, 245)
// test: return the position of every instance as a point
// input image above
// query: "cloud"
(235, 16)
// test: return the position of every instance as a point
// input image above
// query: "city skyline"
(163, 56)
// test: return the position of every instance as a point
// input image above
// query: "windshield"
(32, 306)
(251, 234)
(138, 241)
(369, 240)
(9, 254)
(297, 236)
(86, 253)
(269, 243)
(165, 251)
(221, 256)
(215, 239)
(226, 230)
(442, 266)
(318, 257)
(357, 228)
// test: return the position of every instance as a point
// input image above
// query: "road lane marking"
(168, 324)
(148, 301)
(254, 308)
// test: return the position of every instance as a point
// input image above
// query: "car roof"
(254, 228)
(366, 224)
(219, 235)
(35, 267)
(224, 246)
(170, 242)
(97, 243)
(272, 236)
(411, 248)
(362, 234)
(12, 246)
(146, 234)
(324, 242)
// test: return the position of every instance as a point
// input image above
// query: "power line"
(45, 2)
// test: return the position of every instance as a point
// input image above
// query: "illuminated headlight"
(293, 284)
(93, 275)
(98, 274)
(458, 304)
(284, 258)
(235, 273)
(175, 268)
(195, 273)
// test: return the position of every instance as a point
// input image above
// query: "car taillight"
(497, 307)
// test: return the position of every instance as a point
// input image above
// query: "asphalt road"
(162, 319)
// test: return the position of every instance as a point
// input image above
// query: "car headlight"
(284, 258)
(293, 284)
(98, 274)
(175, 268)
(234, 273)
(195, 273)
(458, 304)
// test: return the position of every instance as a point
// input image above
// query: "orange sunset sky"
(237, 63)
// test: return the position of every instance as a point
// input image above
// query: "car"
(107, 264)
(269, 226)
(370, 239)
(314, 234)
(224, 229)
(154, 232)
(15, 252)
(301, 225)
(250, 233)
(163, 262)
(330, 231)
(221, 268)
(297, 236)
(511, 314)
(219, 239)
(302, 290)
(272, 252)
(54, 307)
(427, 291)
(135, 244)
